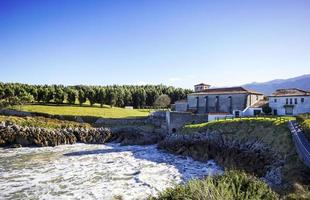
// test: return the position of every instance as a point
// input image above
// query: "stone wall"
(238, 102)
(176, 120)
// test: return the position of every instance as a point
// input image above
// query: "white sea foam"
(83, 171)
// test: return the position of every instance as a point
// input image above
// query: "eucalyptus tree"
(71, 95)
(81, 97)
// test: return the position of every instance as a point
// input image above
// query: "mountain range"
(301, 82)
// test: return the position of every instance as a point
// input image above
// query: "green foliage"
(71, 96)
(267, 110)
(304, 121)
(233, 185)
(120, 96)
(163, 101)
(101, 96)
(42, 122)
(59, 96)
(81, 97)
(91, 96)
(272, 130)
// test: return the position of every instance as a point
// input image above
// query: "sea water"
(88, 171)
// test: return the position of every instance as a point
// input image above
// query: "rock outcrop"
(136, 136)
(252, 156)
(16, 136)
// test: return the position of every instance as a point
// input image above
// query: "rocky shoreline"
(12, 135)
(250, 156)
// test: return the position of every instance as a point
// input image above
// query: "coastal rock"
(15, 135)
(135, 136)
(251, 155)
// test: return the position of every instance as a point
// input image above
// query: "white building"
(291, 101)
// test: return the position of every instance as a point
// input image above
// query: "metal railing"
(301, 143)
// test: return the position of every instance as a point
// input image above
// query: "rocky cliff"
(249, 155)
(12, 135)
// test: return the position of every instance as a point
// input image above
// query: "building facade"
(234, 100)
(290, 102)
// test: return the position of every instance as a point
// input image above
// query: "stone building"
(232, 100)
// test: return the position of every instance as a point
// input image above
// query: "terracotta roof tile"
(229, 90)
(290, 92)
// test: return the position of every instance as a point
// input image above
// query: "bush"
(234, 185)
(266, 109)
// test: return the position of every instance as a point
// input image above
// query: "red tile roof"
(290, 92)
(202, 84)
(229, 90)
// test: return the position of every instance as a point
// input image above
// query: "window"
(256, 97)
(295, 100)
(302, 100)
(275, 100)
(286, 101)
(291, 101)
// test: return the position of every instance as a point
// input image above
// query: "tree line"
(114, 95)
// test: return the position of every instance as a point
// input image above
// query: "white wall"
(215, 117)
(299, 108)
(250, 111)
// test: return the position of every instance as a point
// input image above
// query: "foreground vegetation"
(42, 122)
(68, 110)
(273, 132)
(304, 121)
(233, 185)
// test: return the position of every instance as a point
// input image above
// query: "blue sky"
(173, 42)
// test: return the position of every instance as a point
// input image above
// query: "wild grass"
(74, 110)
(42, 122)
(233, 185)
(272, 131)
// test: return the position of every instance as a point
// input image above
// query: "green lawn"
(74, 110)
(42, 122)
(273, 131)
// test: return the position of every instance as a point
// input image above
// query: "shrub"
(234, 185)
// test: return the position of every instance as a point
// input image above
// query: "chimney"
(201, 87)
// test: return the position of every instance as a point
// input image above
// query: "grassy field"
(272, 131)
(42, 122)
(95, 111)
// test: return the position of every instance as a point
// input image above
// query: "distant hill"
(301, 82)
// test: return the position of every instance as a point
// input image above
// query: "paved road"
(301, 143)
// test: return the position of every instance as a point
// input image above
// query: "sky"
(171, 42)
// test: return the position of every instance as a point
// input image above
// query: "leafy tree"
(48, 94)
(266, 109)
(127, 97)
(72, 94)
(59, 96)
(91, 96)
(101, 96)
(163, 101)
(111, 97)
(81, 97)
